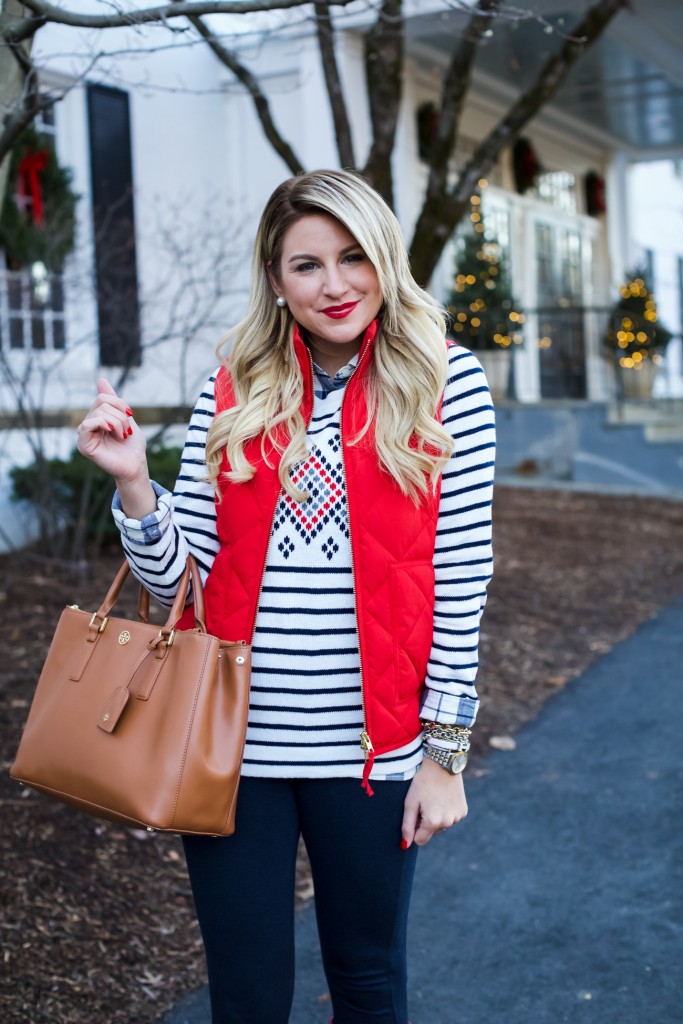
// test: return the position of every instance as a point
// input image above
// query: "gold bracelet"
(441, 731)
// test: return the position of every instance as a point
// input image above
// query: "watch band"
(453, 761)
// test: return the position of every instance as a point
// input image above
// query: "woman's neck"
(333, 356)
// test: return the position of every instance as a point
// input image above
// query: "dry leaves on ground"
(96, 920)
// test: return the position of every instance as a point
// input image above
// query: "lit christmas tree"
(483, 309)
(634, 332)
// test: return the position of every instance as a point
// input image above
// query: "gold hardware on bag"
(74, 607)
(239, 659)
(93, 620)
(105, 718)
(124, 637)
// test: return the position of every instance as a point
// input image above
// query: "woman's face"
(328, 282)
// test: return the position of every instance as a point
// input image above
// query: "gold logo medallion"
(124, 637)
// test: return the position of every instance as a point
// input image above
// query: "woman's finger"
(114, 414)
(91, 431)
(105, 388)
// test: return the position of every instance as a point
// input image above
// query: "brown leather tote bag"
(137, 724)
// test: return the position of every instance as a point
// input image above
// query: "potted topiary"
(484, 314)
(634, 339)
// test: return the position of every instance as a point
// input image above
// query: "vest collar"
(305, 362)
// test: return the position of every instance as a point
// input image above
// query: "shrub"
(72, 496)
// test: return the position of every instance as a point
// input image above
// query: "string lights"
(635, 333)
(481, 303)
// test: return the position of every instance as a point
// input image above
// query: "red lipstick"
(339, 312)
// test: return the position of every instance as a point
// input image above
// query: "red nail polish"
(129, 412)
(130, 431)
(110, 425)
(404, 844)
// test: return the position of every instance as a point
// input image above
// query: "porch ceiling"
(629, 84)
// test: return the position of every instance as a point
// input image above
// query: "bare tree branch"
(456, 85)
(442, 212)
(22, 116)
(230, 61)
(48, 12)
(15, 61)
(340, 117)
(384, 48)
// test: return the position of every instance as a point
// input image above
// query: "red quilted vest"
(392, 543)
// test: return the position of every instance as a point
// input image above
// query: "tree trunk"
(442, 212)
(384, 46)
(12, 82)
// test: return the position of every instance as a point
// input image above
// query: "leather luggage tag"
(114, 708)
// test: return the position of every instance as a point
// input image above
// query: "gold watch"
(453, 761)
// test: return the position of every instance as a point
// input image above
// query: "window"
(114, 226)
(31, 310)
(558, 188)
(32, 298)
(559, 318)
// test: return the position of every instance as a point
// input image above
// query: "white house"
(162, 140)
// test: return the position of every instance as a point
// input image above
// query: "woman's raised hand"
(110, 438)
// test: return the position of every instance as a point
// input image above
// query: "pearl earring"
(281, 301)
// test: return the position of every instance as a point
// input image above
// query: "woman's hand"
(434, 802)
(109, 436)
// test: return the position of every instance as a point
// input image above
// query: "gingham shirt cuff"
(150, 528)
(448, 708)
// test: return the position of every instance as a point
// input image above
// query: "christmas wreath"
(38, 219)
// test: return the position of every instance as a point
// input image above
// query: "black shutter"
(114, 225)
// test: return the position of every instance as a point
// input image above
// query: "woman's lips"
(339, 312)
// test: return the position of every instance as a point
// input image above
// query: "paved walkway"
(560, 898)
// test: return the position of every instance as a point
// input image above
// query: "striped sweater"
(305, 712)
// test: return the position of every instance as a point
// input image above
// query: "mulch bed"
(96, 921)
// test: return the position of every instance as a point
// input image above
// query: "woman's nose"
(334, 282)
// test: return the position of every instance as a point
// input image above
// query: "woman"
(336, 491)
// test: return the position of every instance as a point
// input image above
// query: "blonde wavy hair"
(404, 381)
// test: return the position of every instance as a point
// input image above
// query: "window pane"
(57, 290)
(58, 335)
(38, 332)
(559, 189)
(14, 291)
(16, 332)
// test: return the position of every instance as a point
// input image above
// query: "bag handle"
(190, 575)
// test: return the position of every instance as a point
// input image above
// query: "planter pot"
(637, 384)
(496, 363)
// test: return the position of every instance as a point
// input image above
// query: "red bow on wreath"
(28, 183)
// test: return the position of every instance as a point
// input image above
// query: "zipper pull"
(366, 744)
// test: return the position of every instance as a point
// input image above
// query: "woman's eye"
(354, 257)
(305, 267)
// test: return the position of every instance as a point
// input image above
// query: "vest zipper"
(365, 741)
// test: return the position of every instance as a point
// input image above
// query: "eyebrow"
(310, 256)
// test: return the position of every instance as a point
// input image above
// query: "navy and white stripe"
(305, 711)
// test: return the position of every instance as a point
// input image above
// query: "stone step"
(664, 411)
(664, 432)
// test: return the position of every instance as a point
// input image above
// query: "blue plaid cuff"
(150, 528)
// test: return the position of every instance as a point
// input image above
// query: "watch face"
(457, 764)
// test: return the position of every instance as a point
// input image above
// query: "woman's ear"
(274, 284)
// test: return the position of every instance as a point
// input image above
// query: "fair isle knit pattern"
(305, 713)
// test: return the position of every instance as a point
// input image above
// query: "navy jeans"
(243, 888)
